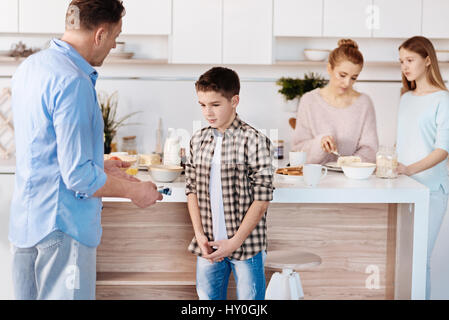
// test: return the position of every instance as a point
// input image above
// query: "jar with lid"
(387, 162)
(129, 145)
(278, 149)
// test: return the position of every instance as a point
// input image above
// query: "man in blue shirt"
(55, 223)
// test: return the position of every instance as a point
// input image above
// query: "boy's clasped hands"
(224, 248)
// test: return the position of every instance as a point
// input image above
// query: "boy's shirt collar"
(235, 125)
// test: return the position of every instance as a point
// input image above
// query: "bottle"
(387, 162)
(158, 148)
(129, 145)
(278, 149)
(172, 149)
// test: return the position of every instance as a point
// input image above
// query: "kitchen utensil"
(297, 158)
(316, 54)
(313, 174)
(358, 170)
(164, 173)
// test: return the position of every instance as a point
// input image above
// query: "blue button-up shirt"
(59, 148)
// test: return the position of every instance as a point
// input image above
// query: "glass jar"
(278, 149)
(387, 162)
(129, 145)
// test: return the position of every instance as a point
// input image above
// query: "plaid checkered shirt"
(246, 176)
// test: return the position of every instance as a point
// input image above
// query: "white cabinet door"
(6, 190)
(9, 21)
(43, 16)
(397, 19)
(347, 18)
(149, 17)
(197, 26)
(298, 18)
(435, 23)
(248, 31)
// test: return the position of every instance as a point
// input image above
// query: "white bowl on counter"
(442, 55)
(358, 170)
(164, 173)
(316, 54)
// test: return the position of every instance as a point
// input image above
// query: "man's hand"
(144, 194)
(114, 167)
(224, 249)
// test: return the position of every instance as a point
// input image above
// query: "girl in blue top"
(423, 130)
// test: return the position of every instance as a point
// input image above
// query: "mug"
(297, 158)
(313, 173)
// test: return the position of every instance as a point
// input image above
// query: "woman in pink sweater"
(336, 117)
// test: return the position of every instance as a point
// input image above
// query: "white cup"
(313, 173)
(297, 158)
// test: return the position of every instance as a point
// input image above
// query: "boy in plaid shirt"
(229, 183)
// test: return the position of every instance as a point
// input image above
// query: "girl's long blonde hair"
(424, 48)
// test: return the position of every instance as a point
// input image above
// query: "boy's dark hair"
(219, 79)
(89, 14)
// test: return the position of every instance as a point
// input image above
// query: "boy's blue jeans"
(57, 268)
(212, 278)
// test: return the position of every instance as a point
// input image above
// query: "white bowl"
(164, 173)
(316, 54)
(442, 55)
(358, 170)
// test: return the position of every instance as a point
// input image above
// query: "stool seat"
(290, 259)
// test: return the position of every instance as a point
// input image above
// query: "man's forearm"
(115, 187)
(252, 218)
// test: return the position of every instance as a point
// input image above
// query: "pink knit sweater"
(353, 128)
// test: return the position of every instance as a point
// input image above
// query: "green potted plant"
(108, 105)
(294, 88)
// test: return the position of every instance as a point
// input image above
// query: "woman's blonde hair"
(424, 48)
(347, 50)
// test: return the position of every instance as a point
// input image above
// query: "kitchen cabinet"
(149, 17)
(9, 21)
(43, 16)
(298, 18)
(6, 190)
(435, 23)
(347, 18)
(397, 19)
(197, 31)
(247, 31)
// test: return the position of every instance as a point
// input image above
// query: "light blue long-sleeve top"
(423, 126)
(59, 148)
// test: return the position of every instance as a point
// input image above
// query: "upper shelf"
(305, 63)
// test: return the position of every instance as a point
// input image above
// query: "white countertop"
(334, 188)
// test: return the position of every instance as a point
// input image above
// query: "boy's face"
(217, 109)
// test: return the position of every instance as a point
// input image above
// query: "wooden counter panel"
(349, 238)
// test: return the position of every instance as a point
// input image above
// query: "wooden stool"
(287, 285)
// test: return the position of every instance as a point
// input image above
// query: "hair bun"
(348, 42)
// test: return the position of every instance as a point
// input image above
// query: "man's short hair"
(89, 14)
(219, 79)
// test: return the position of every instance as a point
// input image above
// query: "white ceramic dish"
(164, 173)
(442, 55)
(289, 178)
(359, 170)
(333, 166)
(316, 54)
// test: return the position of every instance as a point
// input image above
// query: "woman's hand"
(402, 169)
(328, 144)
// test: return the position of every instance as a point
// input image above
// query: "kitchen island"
(371, 235)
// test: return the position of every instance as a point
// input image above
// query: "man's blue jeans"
(57, 268)
(212, 278)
